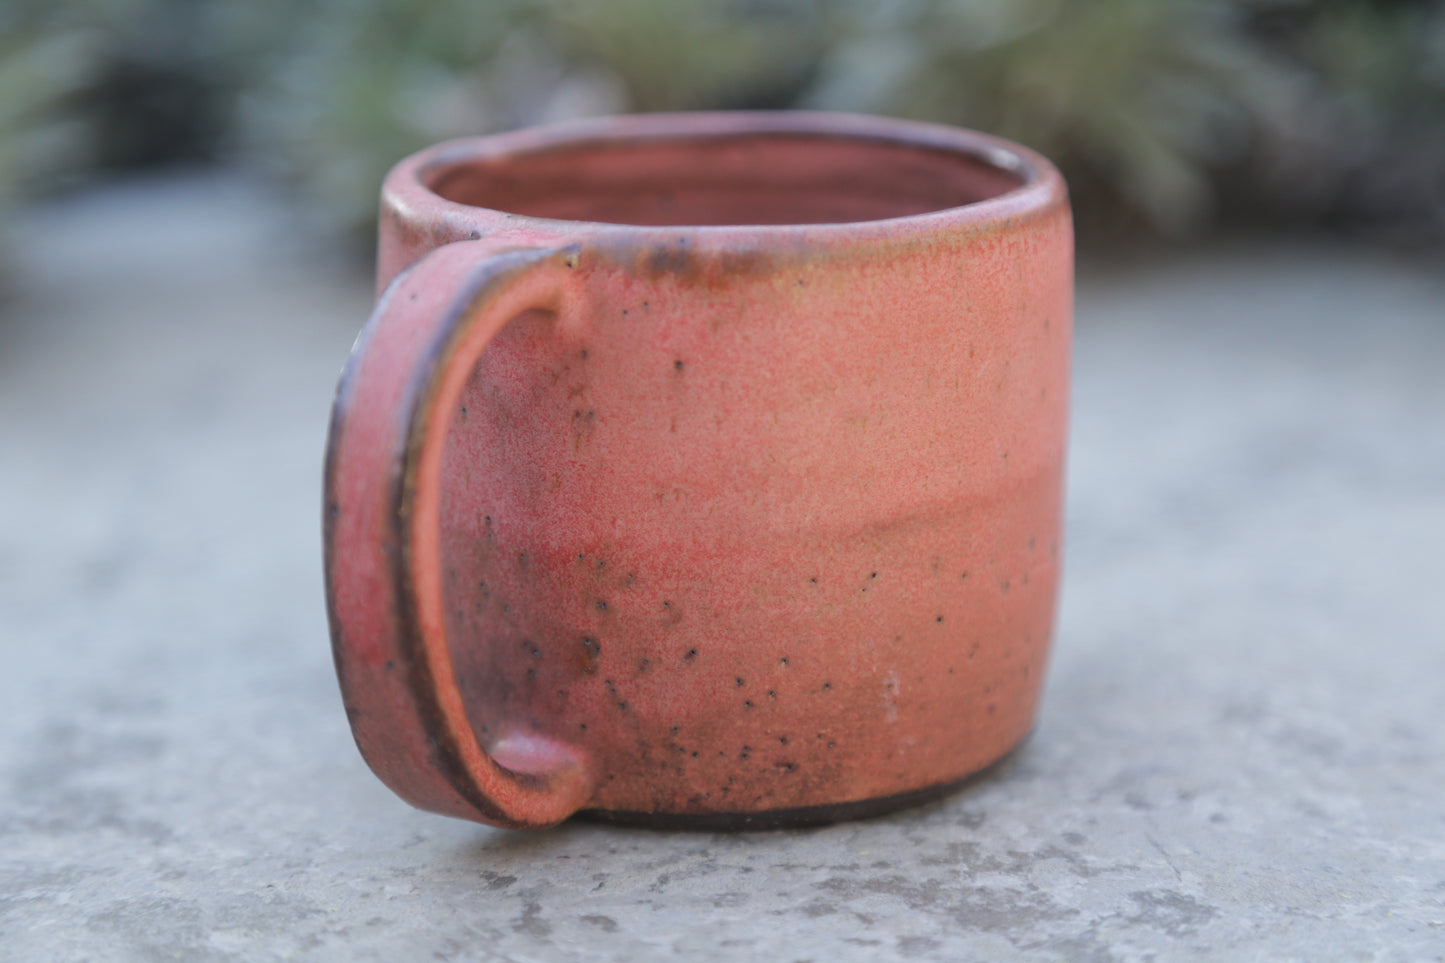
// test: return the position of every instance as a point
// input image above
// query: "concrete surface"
(1242, 749)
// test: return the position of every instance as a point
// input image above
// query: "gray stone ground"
(1241, 754)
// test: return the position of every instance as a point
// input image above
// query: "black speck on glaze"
(591, 651)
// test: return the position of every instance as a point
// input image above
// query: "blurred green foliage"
(46, 59)
(1167, 115)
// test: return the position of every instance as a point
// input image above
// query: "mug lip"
(1042, 189)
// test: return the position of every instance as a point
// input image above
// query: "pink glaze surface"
(702, 465)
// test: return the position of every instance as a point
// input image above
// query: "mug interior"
(730, 179)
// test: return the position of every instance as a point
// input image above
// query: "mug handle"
(382, 540)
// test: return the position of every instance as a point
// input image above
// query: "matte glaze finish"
(719, 517)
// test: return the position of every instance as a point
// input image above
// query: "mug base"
(801, 817)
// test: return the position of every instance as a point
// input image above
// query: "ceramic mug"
(702, 470)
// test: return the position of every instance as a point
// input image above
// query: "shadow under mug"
(702, 469)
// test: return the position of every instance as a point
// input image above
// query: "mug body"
(759, 515)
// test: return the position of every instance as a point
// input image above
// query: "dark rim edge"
(1041, 188)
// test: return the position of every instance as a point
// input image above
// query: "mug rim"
(1041, 190)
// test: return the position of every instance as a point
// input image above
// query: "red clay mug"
(702, 470)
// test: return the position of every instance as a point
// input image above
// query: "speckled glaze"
(702, 469)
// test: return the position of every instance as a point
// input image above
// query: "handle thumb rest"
(382, 540)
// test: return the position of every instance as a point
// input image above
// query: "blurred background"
(1171, 118)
